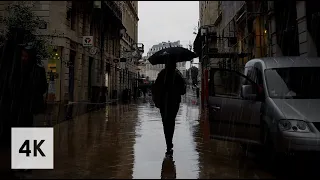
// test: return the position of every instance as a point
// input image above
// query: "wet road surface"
(127, 141)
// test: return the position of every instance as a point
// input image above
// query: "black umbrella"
(180, 54)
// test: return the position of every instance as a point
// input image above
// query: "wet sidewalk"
(127, 141)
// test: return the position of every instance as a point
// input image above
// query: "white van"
(275, 102)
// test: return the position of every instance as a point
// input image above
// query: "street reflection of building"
(153, 70)
(129, 116)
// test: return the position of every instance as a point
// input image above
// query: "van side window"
(259, 76)
(225, 84)
(249, 74)
(256, 75)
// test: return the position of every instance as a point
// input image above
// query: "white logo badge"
(32, 148)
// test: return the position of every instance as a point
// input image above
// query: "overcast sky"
(167, 21)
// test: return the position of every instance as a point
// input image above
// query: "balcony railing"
(114, 8)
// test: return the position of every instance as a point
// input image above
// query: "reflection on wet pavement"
(127, 141)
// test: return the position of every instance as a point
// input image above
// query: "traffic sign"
(32, 148)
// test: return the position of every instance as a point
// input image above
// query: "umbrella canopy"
(179, 54)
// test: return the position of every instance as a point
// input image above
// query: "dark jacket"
(22, 89)
(168, 88)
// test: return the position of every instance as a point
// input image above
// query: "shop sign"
(87, 41)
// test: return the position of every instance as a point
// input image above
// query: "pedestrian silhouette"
(166, 94)
(23, 84)
(168, 169)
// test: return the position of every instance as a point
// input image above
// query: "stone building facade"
(129, 69)
(207, 15)
(262, 28)
(81, 72)
(234, 32)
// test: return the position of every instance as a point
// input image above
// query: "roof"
(287, 61)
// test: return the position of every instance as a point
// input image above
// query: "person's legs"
(10, 120)
(168, 115)
(25, 120)
(5, 148)
(170, 131)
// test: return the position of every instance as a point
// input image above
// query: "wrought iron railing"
(114, 7)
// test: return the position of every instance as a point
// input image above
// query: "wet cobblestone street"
(127, 141)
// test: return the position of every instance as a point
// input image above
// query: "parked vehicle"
(275, 102)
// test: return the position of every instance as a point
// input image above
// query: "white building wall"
(307, 46)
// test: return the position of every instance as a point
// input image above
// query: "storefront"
(53, 69)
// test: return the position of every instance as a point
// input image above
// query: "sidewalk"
(127, 142)
(57, 112)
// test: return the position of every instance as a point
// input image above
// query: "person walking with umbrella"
(168, 88)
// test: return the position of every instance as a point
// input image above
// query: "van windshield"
(293, 82)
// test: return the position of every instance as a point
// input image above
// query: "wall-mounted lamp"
(266, 27)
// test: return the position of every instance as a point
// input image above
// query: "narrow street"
(127, 141)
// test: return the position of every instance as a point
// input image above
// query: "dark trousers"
(168, 114)
(10, 120)
(13, 120)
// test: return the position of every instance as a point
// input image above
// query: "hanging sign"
(87, 41)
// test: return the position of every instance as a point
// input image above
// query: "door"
(233, 117)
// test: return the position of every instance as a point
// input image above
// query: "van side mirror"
(247, 92)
